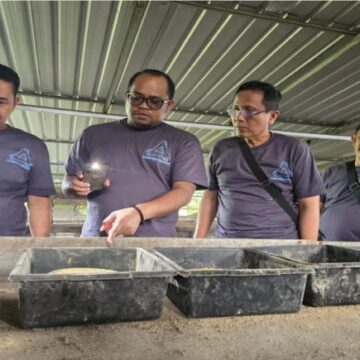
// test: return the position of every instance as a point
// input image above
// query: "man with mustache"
(155, 168)
(243, 206)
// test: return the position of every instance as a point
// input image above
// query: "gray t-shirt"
(245, 209)
(144, 165)
(25, 170)
(341, 214)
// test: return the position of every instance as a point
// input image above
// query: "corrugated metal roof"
(79, 56)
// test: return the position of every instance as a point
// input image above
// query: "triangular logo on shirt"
(21, 158)
(283, 173)
(158, 153)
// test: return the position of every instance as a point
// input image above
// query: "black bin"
(227, 282)
(355, 246)
(134, 291)
(336, 276)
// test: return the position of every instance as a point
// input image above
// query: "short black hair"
(158, 73)
(272, 96)
(9, 75)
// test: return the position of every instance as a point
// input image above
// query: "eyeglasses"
(154, 103)
(234, 113)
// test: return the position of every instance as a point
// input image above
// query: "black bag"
(354, 185)
(267, 185)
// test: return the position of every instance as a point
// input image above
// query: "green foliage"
(193, 207)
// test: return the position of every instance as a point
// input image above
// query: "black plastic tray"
(355, 246)
(336, 276)
(227, 282)
(135, 292)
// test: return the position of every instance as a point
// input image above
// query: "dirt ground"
(313, 333)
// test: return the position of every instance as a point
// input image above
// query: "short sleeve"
(307, 180)
(212, 178)
(324, 177)
(40, 181)
(189, 163)
(77, 157)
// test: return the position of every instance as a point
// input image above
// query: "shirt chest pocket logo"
(21, 159)
(159, 153)
(283, 174)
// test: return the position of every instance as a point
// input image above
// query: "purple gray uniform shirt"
(25, 170)
(340, 219)
(245, 209)
(144, 165)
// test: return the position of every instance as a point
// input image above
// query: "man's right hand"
(121, 222)
(78, 186)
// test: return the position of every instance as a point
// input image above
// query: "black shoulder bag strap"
(354, 185)
(274, 192)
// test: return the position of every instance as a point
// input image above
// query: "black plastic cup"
(95, 174)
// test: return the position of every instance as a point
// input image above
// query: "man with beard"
(155, 168)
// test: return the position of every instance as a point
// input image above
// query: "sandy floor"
(313, 333)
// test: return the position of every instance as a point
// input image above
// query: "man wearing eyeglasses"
(244, 209)
(155, 167)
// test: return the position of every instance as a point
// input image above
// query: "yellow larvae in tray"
(81, 271)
